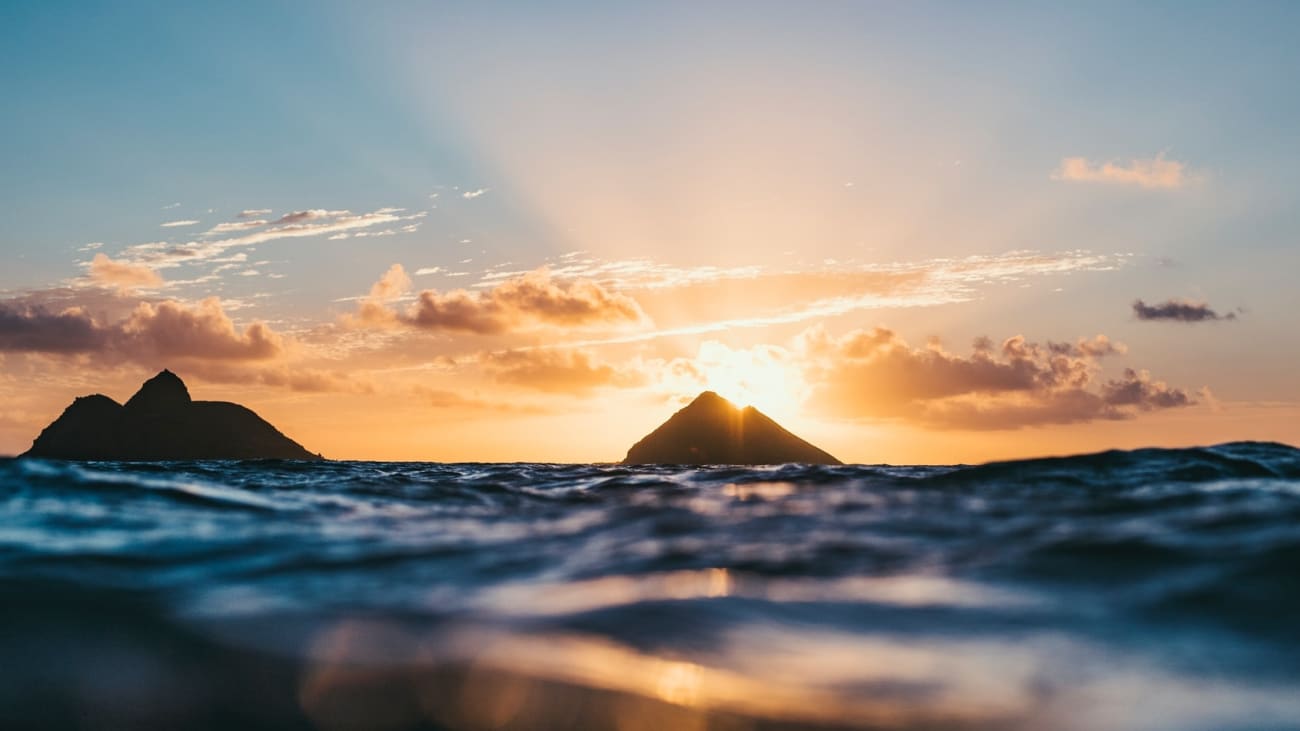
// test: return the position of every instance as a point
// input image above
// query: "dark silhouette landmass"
(712, 430)
(161, 422)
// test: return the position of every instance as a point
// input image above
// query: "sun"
(761, 377)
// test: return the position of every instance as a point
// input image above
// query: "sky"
(910, 232)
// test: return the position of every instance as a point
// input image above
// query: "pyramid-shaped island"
(712, 430)
(161, 422)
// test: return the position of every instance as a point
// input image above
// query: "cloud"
(1178, 310)
(374, 310)
(299, 224)
(392, 285)
(291, 377)
(1155, 172)
(315, 214)
(758, 297)
(444, 399)
(526, 302)
(233, 226)
(178, 224)
(253, 213)
(122, 275)
(172, 329)
(559, 371)
(151, 333)
(874, 374)
(171, 206)
(472, 194)
(35, 329)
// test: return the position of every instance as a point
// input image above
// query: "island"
(162, 422)
(712, 430)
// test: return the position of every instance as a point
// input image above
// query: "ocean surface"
(1155, 589)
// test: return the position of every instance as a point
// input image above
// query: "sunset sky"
(910, 232)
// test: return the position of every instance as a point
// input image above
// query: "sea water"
(1156, 589)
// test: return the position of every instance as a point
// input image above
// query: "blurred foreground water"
(1157, 589)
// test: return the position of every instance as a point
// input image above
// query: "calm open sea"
(1157, 589)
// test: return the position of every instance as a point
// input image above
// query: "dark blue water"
(1157, 589)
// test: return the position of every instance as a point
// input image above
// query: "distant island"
(162, 422)
(712, 430)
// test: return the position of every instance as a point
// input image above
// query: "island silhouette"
(162, 422)
(712, 430)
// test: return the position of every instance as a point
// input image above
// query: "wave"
(1042, 593)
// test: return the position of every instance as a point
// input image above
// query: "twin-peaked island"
(162, 422)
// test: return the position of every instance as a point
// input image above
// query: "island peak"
(163, 391)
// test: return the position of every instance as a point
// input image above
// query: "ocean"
(1154, 589)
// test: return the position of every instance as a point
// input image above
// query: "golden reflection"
(719, 583)
(542, 599)
(679, 683)
(760, 490)
(376, 675)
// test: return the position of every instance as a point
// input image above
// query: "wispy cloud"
(1179, 310)
(288, 376)
(1153, 172)
(471, 194)
(253, 213)
(171, 206)
(234, 226)
(559, 371)
(179, 224)
(806, 295)
(299, 224)
(314, 214)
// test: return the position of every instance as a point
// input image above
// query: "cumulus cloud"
(528, 301)
(472, 194)
(374, 310)
(179, 224)
(1154, 172)
(122, 275)
(393, 284)
(874, 374)
(1178, 310)
(149, 334)
(559, 371)
(175, 330)
(35, 329)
